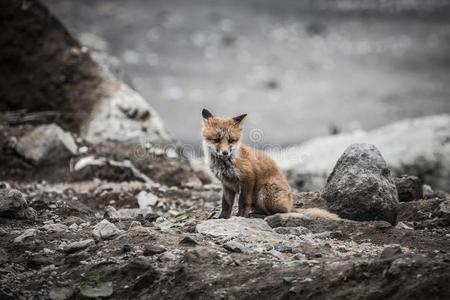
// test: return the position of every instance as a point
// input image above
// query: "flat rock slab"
(238, 227)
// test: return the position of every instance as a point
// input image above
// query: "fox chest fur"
(226, 172)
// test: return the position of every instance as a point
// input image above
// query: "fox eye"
(232, 141)
(215, 140)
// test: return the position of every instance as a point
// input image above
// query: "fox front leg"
(245, 203)
(227, 203)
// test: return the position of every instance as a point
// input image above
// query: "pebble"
(234, 246)
(150, 250)
(76, 246)
(58, 227)
(26, 235)
(105, 230)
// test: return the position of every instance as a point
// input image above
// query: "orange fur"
(246, 171)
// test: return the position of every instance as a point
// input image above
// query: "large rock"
(46, 144)
(416, 147)
(67, 86)
(360, 186)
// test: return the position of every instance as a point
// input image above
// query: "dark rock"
(127, 248)
(12, 204)
(443, 212)
(390, 251)
(360, 186)
(151, 217)
(39, 261)
(188, 241)
(150, 250)
(409, 188)
(75, 258)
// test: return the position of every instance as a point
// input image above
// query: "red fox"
(245, 171)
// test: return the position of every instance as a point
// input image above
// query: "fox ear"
(239, 119)
(206, 114)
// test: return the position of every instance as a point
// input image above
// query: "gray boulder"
(360, 186)
(46, 143)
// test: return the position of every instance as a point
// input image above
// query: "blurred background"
(300, 69)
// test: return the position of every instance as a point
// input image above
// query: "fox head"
(222, 136)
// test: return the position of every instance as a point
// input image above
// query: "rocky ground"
(88, 216)
(96, 238)
(125, 231)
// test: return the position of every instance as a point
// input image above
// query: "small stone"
(234, 246)
(150, 250)
(134, 224)
(58, 227)
(427, 192)
(146, 199)
(167, 256)
(397, 266)
(409, 188)
(74, 227)
(401, 225)
(289, 279)
(298, 231)
(12, 203)
(76, 246)
(188, 241)
(96, 289)
(283, 248)
(276, 254)
(61, 292)
(25, 236)
(127, 248)
(105, 230)
(73, 220)
(111, 213)
(382, 225)
(391, 251)
(151, 217)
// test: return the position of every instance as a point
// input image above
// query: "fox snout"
(224, 149)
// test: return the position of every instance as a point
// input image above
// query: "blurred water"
(298, 68)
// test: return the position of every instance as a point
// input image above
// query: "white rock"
(46, 143)
(105, 230)
(401, 225)
(75, 246)
(146, 199)
(123, 115)
(58, 227)
(26, 235)
(74, 227)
